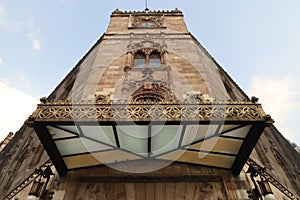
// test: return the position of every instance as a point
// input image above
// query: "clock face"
(147, 24)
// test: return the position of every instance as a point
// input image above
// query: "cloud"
(19, 24)
(278, 96)
(30, 35)
(15, 107)
(36, 44)
(2, 10)
(61, 1)
(66, 2)
(24, 81)
(39, 30)
(10, 26)
(1, 61)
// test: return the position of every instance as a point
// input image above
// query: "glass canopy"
(182, 133)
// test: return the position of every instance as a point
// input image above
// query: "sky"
(256, 42)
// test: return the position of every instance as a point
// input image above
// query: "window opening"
(139, 60)
(152, 93)
(154, 60)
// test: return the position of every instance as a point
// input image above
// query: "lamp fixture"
(38, 188)
(262, 189)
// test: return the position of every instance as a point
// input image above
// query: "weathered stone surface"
(193, 71)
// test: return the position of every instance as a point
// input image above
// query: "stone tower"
(148, 114)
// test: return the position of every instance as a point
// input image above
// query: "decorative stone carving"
(146, 21)
(145, 111)
(152, 93)
(137, 78)
(147, 43)
(102, 98)
(146, 47)
(194, 98)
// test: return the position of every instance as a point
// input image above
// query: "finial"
(146, 5)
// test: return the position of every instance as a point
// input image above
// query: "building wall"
(275, 153)
(19, 159)
(176, 181)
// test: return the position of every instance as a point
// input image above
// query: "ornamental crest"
(143, 84)
(146, 21)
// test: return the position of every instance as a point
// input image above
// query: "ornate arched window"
(155, 59)
(152, 93)
(139, 59)
(147, 58)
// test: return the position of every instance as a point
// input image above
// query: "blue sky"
(256, 42)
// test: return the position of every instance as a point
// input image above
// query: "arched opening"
(155, 59)
(152, 93)
(139, 59)
(149, 58)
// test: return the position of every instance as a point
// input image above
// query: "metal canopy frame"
(237, 124)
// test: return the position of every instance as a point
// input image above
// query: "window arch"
(155, 59)
(139, 59)
(152, 93)
(147, 58)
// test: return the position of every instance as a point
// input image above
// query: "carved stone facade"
(125, 110)
(6, 141)
(188, 85)
(148, 21)
(162, 185)
(19, 160)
